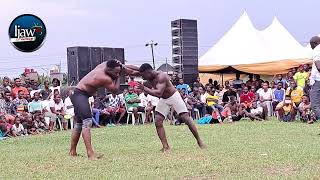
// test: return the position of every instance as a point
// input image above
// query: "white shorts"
(175, 101)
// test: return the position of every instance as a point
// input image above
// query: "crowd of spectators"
(28, 108)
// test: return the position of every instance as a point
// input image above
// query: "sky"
(131, 24)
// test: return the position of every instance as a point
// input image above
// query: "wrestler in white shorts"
(175, 101)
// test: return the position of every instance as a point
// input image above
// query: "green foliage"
(244, 150)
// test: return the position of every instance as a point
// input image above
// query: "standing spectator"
(289, 79)
(116, 106)
(5, 85)
(197, 83)
(295, 93)
(20, 103)
(226, 96)
(315, 76)
(46, 91)
(250, 81)
(216, 85)
(132, 102)
(286, 110)
(265, 97)
(57, 108)
(247, 98)
(280, 79)
(184, 87)
(238, 82)
(278, 95)
(258, 82)
(301, 77)
(132, 82)
(210, 83)
(18, 87)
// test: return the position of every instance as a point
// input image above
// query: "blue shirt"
(284, 82)
(184, 87)
(35, 106)
(279, 95)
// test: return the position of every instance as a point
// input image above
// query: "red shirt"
(132, 83)
(17, 89)
(247, 98)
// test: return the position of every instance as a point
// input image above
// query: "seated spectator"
(96, 109)
(210, 83)
(30, 126)
(307, 88)
(258, 82)
(68, 106)
(5, 85)
(231, 111)
(57, 108)
(143, 100)
(301, 77)
(195, 97)
(40, 124)
(20, 103)
(152, 103)
(184, 87)
(220, 93)
(295, 93)
(226, 96)
(116, 107)
(278, 95)
(257, 113)
(7, 107)
(18, 87)
(247, 98)
(18, 128)
(265, 97)
(197, 83)
(132, 102)
(249, 82)
(273, 86)
(55, 86)
(305, 110)
(286, 110)
(132, 82)
(46, 92)
(212, 101)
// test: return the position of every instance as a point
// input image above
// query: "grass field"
(244, 150)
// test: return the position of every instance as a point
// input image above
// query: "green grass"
(244, 150)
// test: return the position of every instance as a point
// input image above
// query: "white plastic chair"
(130, 114)
(197, 113)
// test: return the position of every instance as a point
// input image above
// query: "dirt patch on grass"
(284, 170)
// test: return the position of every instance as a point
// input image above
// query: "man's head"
(20, 94)
(257, 77)
(287, 100)
(198, 79)
(6, 81)
(113, 68)
(137, 90)
(17, 120)
(7, 95)
(146, 71)
(293, 84)
(314, 41)
(279, 85)
(210, 81)
(200, 89)
(254, 105)
(26, 80)
(233, 99)
(208, 89)
(279, 76)
(46, 84)
(181, 81)
(290, 74)
(306, 67)
(17, 82)
(131, 78)
(215, 82)
(125, 91)
(301, 69)
(130, 90)
(57, 98)
(250, 77)
(253, 89)
(36, 96)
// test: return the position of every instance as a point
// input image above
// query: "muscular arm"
(131, 70)
(112, 86)
(160, 87)
(317, 63)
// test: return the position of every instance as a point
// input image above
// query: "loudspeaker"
(81, 60)
(185, 49)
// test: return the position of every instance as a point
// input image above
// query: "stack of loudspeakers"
(185, 49)
(81, 60)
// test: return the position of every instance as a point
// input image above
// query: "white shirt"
(46, 105)
(154, 100)
(18, 129)
(256, 111)
(143, 100)
(315, 74)
(265, 95)
(67, 102)
(55, 105)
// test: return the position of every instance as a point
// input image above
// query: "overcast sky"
(132, 23)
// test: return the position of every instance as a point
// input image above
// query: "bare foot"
(202, 145)
(95, 157)
(165, 150)
(73, 154)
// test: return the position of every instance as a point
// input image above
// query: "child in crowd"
(305, 110)
(30, 126)
(18, 128)
(40, 124)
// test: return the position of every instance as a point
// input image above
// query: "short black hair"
(145, 67)
(288, 96)
(113, 64)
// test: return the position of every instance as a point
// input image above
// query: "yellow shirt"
(211, 103)
(296, 95)
(301, 78)
(286, 109)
